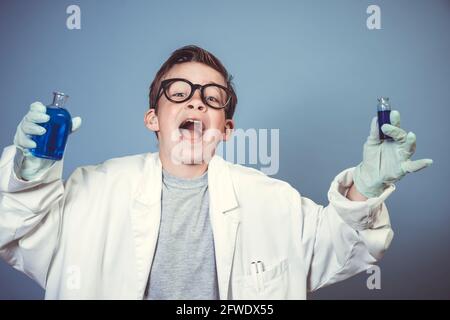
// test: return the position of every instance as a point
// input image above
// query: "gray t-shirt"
(184, 266)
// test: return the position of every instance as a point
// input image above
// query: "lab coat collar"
(219, 179)
(148, 191)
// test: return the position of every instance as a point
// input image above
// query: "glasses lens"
(178, 91)
(215, 96)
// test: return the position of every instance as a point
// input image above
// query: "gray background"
(310, 68)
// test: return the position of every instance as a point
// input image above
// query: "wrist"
(354, 195)
(365, 184)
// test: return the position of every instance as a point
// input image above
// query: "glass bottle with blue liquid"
(384, 114)
(52, 143)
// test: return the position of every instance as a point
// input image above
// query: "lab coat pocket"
(272, 283)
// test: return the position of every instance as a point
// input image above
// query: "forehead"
(195, 72)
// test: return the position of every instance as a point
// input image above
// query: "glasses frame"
(165, 83)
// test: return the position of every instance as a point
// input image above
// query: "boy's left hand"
(386, 161)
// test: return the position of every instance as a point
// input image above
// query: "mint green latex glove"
(31, 166)
(386, 161)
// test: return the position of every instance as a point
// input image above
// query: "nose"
(196, 101)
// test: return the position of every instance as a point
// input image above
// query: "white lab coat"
(94, 235)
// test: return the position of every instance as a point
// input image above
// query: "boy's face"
(183, 141)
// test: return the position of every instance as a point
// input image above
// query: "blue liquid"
(383, 117)
(51, 144)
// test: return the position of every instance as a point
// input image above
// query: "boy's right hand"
(32, 166)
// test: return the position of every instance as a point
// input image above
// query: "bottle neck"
(59, 99)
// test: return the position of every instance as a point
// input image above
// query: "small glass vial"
(52, 143)
(384, 113)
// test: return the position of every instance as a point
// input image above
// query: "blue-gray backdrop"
(313, 69)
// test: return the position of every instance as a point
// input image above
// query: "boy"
(183, 223)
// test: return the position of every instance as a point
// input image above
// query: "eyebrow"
(219, 84)
(210, 82)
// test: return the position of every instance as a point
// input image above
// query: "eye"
(178, 94)
(213, 99)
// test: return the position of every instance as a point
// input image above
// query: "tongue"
(189, 126)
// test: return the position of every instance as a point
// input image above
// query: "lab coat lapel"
(145, 218)
(225, 219)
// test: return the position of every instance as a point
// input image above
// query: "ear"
(229, 126)
(151, 120)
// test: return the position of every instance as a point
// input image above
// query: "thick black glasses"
(179, 90)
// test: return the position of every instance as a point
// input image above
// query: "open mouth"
(191, 129)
